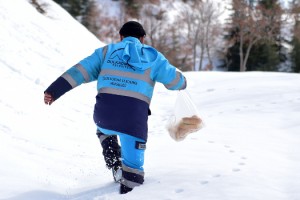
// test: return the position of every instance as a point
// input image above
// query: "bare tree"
(201, 19)
(152, 19)
(101, 24)
(295, 12)
(193, 26)
(254, 24)
(165, 35)
(209, 17)
(91, 17)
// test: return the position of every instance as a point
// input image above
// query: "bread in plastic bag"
(185, 119)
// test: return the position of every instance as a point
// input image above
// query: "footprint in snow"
(179, 190)
(210, 90)
(204, 182)
(234, 169)
(217, 175)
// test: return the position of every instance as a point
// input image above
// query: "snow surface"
(249, 148)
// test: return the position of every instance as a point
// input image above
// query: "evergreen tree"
(296, 39)
(76, 8)
(232, 55)
(264, 57)
(295, 55)
(269, 52)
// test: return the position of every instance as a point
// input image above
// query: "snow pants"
(132, 155)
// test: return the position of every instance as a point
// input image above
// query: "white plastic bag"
(185, 119)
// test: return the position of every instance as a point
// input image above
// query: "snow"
(248, 149)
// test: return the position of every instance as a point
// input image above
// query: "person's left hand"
(48, 99)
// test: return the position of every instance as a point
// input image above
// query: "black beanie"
(132, 28)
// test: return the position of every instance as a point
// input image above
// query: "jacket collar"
(131, 39)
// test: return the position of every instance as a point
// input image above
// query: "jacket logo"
(116, 54)
(116, 61)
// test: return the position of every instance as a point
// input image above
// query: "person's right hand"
(48, 99)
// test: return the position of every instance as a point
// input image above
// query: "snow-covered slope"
(33, 43)
(249, 148)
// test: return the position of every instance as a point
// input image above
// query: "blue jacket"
(126, 73)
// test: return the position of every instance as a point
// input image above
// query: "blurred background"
(223, 35)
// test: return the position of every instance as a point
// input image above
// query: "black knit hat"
(132, 28)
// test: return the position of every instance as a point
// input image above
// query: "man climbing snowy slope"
(126, 73)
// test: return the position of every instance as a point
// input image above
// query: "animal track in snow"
(240, 161)
(216, 175)
(243, 158)
(210, 90)
(236, 169)
(236, 163)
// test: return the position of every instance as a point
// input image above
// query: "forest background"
(226, 35)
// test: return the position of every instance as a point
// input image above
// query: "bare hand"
(48, 99)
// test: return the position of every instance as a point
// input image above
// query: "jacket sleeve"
(168, 75)
(85, 71)
(59, 87)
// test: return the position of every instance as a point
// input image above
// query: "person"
(126, 73)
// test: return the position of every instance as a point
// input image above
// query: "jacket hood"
(138, 55)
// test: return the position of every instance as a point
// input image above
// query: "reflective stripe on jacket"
(126, 73)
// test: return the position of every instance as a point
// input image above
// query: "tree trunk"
(251, 43)
(194, 57)
(207, 45)
(208, 55)
(242, 66)
(202, 49)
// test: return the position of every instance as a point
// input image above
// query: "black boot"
(131, 178)
(124, 189)
(112, 154)
(111, 149)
